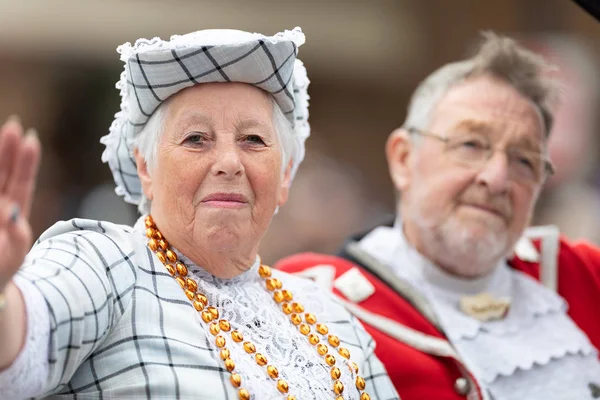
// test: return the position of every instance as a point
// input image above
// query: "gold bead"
(297, 307)
(338, 387)
(191, 284)
(310, 318)
(270, 284)
(333, 340)
(225, 325)
(272, 371)
(149, 221)
(229, 364)
(282, 386)
(236, 379)
(335, 373)
(296, 319)
(313, 339)
(339, 398)
(153, 244)
(344, 352)
(264, 271)
(287, 295)
(353, 367)
(365, 396)
(277, 283)
(249, 347)
(278, 297)
(163, 244)
(225, 354)
(202, 298)
(181, 281)
(360, 383)
(244, 394)
(214, 328)
(214, 312)
(181, 269)
(170, 269)
(161, 256)
(157, 235)
(322, 329)
(292, 397)
(304, 329)
(189, 294)
(171, 256)
(198, 305)
(237, 336)
(322, 349)
(206, 316)
(149, 233)
(260, 359)
(287, 308)
(330, 360)
(220, 341)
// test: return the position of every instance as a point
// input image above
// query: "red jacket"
(418, 375)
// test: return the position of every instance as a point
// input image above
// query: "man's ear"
(284, 190)
(142, 170)
(398, 149)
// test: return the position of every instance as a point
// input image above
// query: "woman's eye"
(254, 139)
(195, 138)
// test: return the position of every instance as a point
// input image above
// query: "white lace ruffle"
(570, 378)
(516, 357)
(26, 376)
(250, 309)
(529, 302)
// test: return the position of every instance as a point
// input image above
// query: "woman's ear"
(284, 190)
(398, 149)
(142, 170)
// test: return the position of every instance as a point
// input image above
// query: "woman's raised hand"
(19, 160)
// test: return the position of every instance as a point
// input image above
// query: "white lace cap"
(155, 69)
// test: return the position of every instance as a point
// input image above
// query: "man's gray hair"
(148, 139)
(499, 56)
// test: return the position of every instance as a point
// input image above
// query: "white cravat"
(536, 352)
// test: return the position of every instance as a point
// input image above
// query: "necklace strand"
(210, 315)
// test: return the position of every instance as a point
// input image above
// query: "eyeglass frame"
(549, 168)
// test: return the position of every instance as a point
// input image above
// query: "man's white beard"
(459, 249)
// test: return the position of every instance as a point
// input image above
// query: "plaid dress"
(122, 328)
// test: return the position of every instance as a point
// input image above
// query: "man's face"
(465, 217)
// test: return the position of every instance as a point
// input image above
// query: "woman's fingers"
(21, 183)
(10, 137)
(15, 238)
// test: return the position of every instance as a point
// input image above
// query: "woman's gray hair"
(148, 139)
(499, 56)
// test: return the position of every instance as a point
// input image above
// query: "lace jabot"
(512, 358)
(250, 309)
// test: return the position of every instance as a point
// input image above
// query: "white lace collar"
(533, 343)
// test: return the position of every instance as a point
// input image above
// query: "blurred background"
(58, 68)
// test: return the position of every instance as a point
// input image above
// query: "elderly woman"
(210, 133)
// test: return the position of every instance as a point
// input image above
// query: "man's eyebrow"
(472, 125)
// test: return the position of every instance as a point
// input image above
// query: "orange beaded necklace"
(210, 315)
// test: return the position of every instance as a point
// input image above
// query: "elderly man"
(463, 300)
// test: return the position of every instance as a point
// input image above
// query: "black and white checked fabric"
(122, 328)
(155, 69)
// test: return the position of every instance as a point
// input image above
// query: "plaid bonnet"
(156, 69)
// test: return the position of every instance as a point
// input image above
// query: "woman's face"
(218, 174)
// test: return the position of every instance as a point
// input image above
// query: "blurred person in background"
(328, 201)
(571, 198)
(463, 299)
(210, 134)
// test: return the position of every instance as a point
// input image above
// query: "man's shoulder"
(303, 261)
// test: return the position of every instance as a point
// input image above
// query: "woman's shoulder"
(96, 239)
